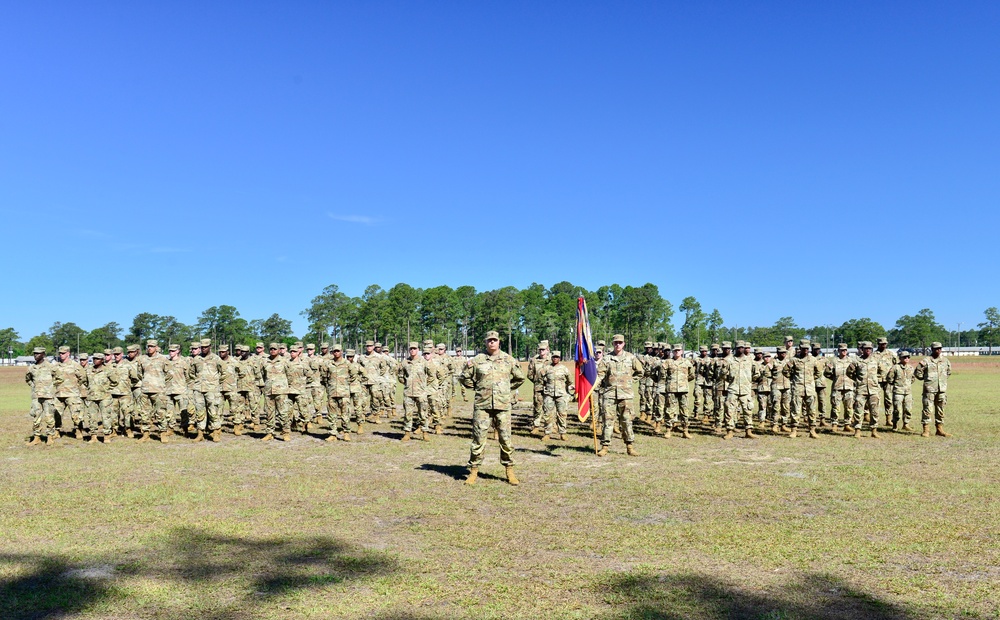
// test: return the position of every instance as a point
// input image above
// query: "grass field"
(893, 528)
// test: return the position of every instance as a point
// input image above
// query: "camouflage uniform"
(99, 398)
(299, 399)
(413, 375)
(900, 379)
(275, 375)
(493, 378)
(317, 393)
(536, 369)
(375, 367)
(762, 387)
(388, 384)
(781, 395)
(41, 378)
(821, 360)
(437, 378)
(736, 373)
(175, 372)
(702, 392)
(124, 374)
(207, 374)
(557, 387)
(802, 372)
(617, 372)
(934, 372)
(69, 378)
(680, 373)
(887, 359)
(842, 388)
(722, 359)
(647, 384)
(246, 386)
(153, 401)
(865, 371)
(654, 369)
(337, 379)
(359, 393)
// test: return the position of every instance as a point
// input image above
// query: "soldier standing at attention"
(887, 359)
(867, 383)
(413, 376)
(617, 372)
(209, 372)
(762, 379)
(227, 410)
(388, 380)
(447, 386)
(781, 396)
(153, 402)
(493, 376)
(647, 391)
(458, 363)
(654, 369)
(374, 366)
(121, 392)
(41, 378)
(900, 379)
(842, 388)
(934, 372)
(536, 366)
(700, 402)
(359, 395)
(246, 384)
(557, 388)
(275, 373)
(437, 376)
(299, 400)
(175, 378)
(821, 360)
(68, 378)
(722, 359)
(99, 400)
(337, 379)
(680, 373)
(802, 372)
(737, 376)
(317, 395)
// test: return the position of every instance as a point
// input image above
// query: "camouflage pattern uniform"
(437, 378)
(275, 375)
(617, 373)
(337, 379)
(153, 402)
(299, 398)
(702, 393)
(821, 398)
(388, 384)
(124, 374)
(802, 372)
(781, 395)
(412, 374)
(900, 380)
(865, 371)
(762, 387)
(359, 392)
(934, 372)
(230, 396)
(647, 384)
(175, 373)
(536, 369)
(317, 393)
(99, 398)
(69, 378)
(493, 378)
(887, 359)
(655, 372)
(736, 373)
(557, 387)
(842, 388)
(719, 370)
(375, 367)
(246, 386)
(41, 378)
(680, 374)
(207, 374)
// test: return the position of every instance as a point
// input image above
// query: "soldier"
(300, 409)
(228, 387)
(722, 359)
(175, 371)
(802, 372)
(654, 369)
(762, 382)
(886, 359)
(842, 388)
(359, 395)
(121, 392)
(447, 385)
(493, 375)
(647, 385)
(934, 372)
(374, 366)
(337, 379)
(388, 384)
(68, 378)
(207, 374)
(283, 350)
(781, 396)
(736, 374)
(436, 378)
(275, 374)
(865, 373)
(701, 404)
(601, 392)
(152, 402)
(900, 379)
(41, 378)
(246, 387)
(458, 363)
(821, 360)
(617, 372)
(317, 394)
(257, 396)
(680, 373)
(99, 400)
(557, 387)
(413, 376)
(536, 367)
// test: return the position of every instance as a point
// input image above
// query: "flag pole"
(593, 418)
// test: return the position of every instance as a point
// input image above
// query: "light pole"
(959, 335)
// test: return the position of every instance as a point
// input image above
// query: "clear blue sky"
(824, 161)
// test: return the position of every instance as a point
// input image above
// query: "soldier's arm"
(467, 374)
(223, 372)
(921, 370)
(637, 368)
(516, 374)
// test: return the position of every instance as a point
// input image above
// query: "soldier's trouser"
(538, 406)
(739, 407)
(707, 401)
(228, 407)
(647, 397)
(340, 412)
(359, 404)
(121, 407)
(389, 397)
(821, 402)
(415, 409)
(677, 406)
(300, 410)
(256, 398)
(375, 402)
(153, 411)
(781, 404)
(868, 402)
(719, 403)
(623, 408)
(841, 400)
(482, 420)
(699, 401)
(69, 409)
(555, 414)
(99, 416)
(887, 401)
(803, 400)
(764, 411)
(659, 404)
(276, 414)
(902, 407)
(436, 407)
(240, 407)
(43, 421)
(207, 414)
(177, 411)
(317, 397)
(935, 401)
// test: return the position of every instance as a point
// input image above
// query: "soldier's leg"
(729, 412)
(746, 410)
(683, 414)
(198, 410)
(836, 399)
(625, 420)
(562, 405)
(481, 422)
(669, 412)
(423, 412)
(213, 406)
(548, 415)
(899, 410)
(809, 405)
(821, 412)
(796, 413)
(270, 413)
(538, 409)
(257, 404)
(873, 407)
(890, 416)
(610, 415)
(76, 410)
(708, 403)
(501, 421)
(105, 411)
(161, 412)
(940, 400)
(281, 414)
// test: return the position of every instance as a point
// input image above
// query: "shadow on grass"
(815, 597)
(229, 576)
(458, 472)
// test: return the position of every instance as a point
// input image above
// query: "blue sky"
(824, 161)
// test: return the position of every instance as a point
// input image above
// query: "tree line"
(461, 316)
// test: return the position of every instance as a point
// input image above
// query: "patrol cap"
(83, 356)
(441, 345)
(599, 348)
(492, 335)
(108, 352)
(648, 343)
(715, 346)
(117, 350)
(260, 344)
(206, 342)
(378, 344)
(618, 338)
(601, 343)
(324, 345)
(904, 353)
(298, 343)
(39, 350)
(428, 348)
(65, 349)
(768, 354)
(196, 344)
(678, 347)
(130, 348)
(282, 345)
(817, 345)
(414, 345)
(842, 346)
(175, 347)
(349, 353)
(98, 356)
(781, 350)
(152, 343)
(557, 354)
(726, 344)
(882, 340)
(311, 347)
(866, 344)
(336, 347)
(543, 344)
(789, 339)
(703, 348)
(805, 342)
(223, 347)
(237, 348)
(273, 345)
(369, 343)
(936, 345)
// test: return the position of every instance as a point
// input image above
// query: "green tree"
(41, 340)
(715, 325)
(66, 335)
(273, 329)
(104, 337)
(9, 346)
(989, 330)
(223, 325)
(918, 330)
(855, 330)
(373, 313)
(144, 327)
(324, 313)
(403, 311)
(695, 327)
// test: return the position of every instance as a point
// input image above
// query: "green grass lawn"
(893, 528)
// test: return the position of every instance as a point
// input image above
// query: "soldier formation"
(123, 393)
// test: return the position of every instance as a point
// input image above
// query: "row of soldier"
(277, 391)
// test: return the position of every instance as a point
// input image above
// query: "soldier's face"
(195, 351)
(618, 346)
(337, 354)
(260, 350)
(842, 353)
(98, 362)
(295, 354)
(63, 356)
(39, 357)
(369, 348)
(413, 353)
(904, 360)
(678, 354)
(788, 343)
(224, 354)
(205, 351)
(492, 345)
(866, 352)
(273, 352)
(936, 352)
(882, 346)
(767, 359)
(83, 361)
(118, 357)
(151, 351)
(133, 354)
(174, 354)
(556, 361)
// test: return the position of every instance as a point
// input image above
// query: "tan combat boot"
(669, 432)
(199, 436)
(793, 433)
(91, 439)
(78, 434)
(939, 431)
(406, 436)
(603, 451)
(35, 441)
(685, 434)
(562, 437)
(728, 435)
(438, 429)
(473, 476)
(217, 435)
(511, 478)
(785, 429)
(145, 437)
(545, 437)
(424, 436)
(874, 432)
(347, 435)
(108, 438)
(775, 428)
(129, 433)
(927, 431)
(361, 429)
(750, 434)
(331, 437)
(50, 440)
(848, 429)
(286, 436)
(238, 430)
(907, 428)
(631, 451)
(165, 436)
(857, 433)
(813, 434)
(267, 437)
